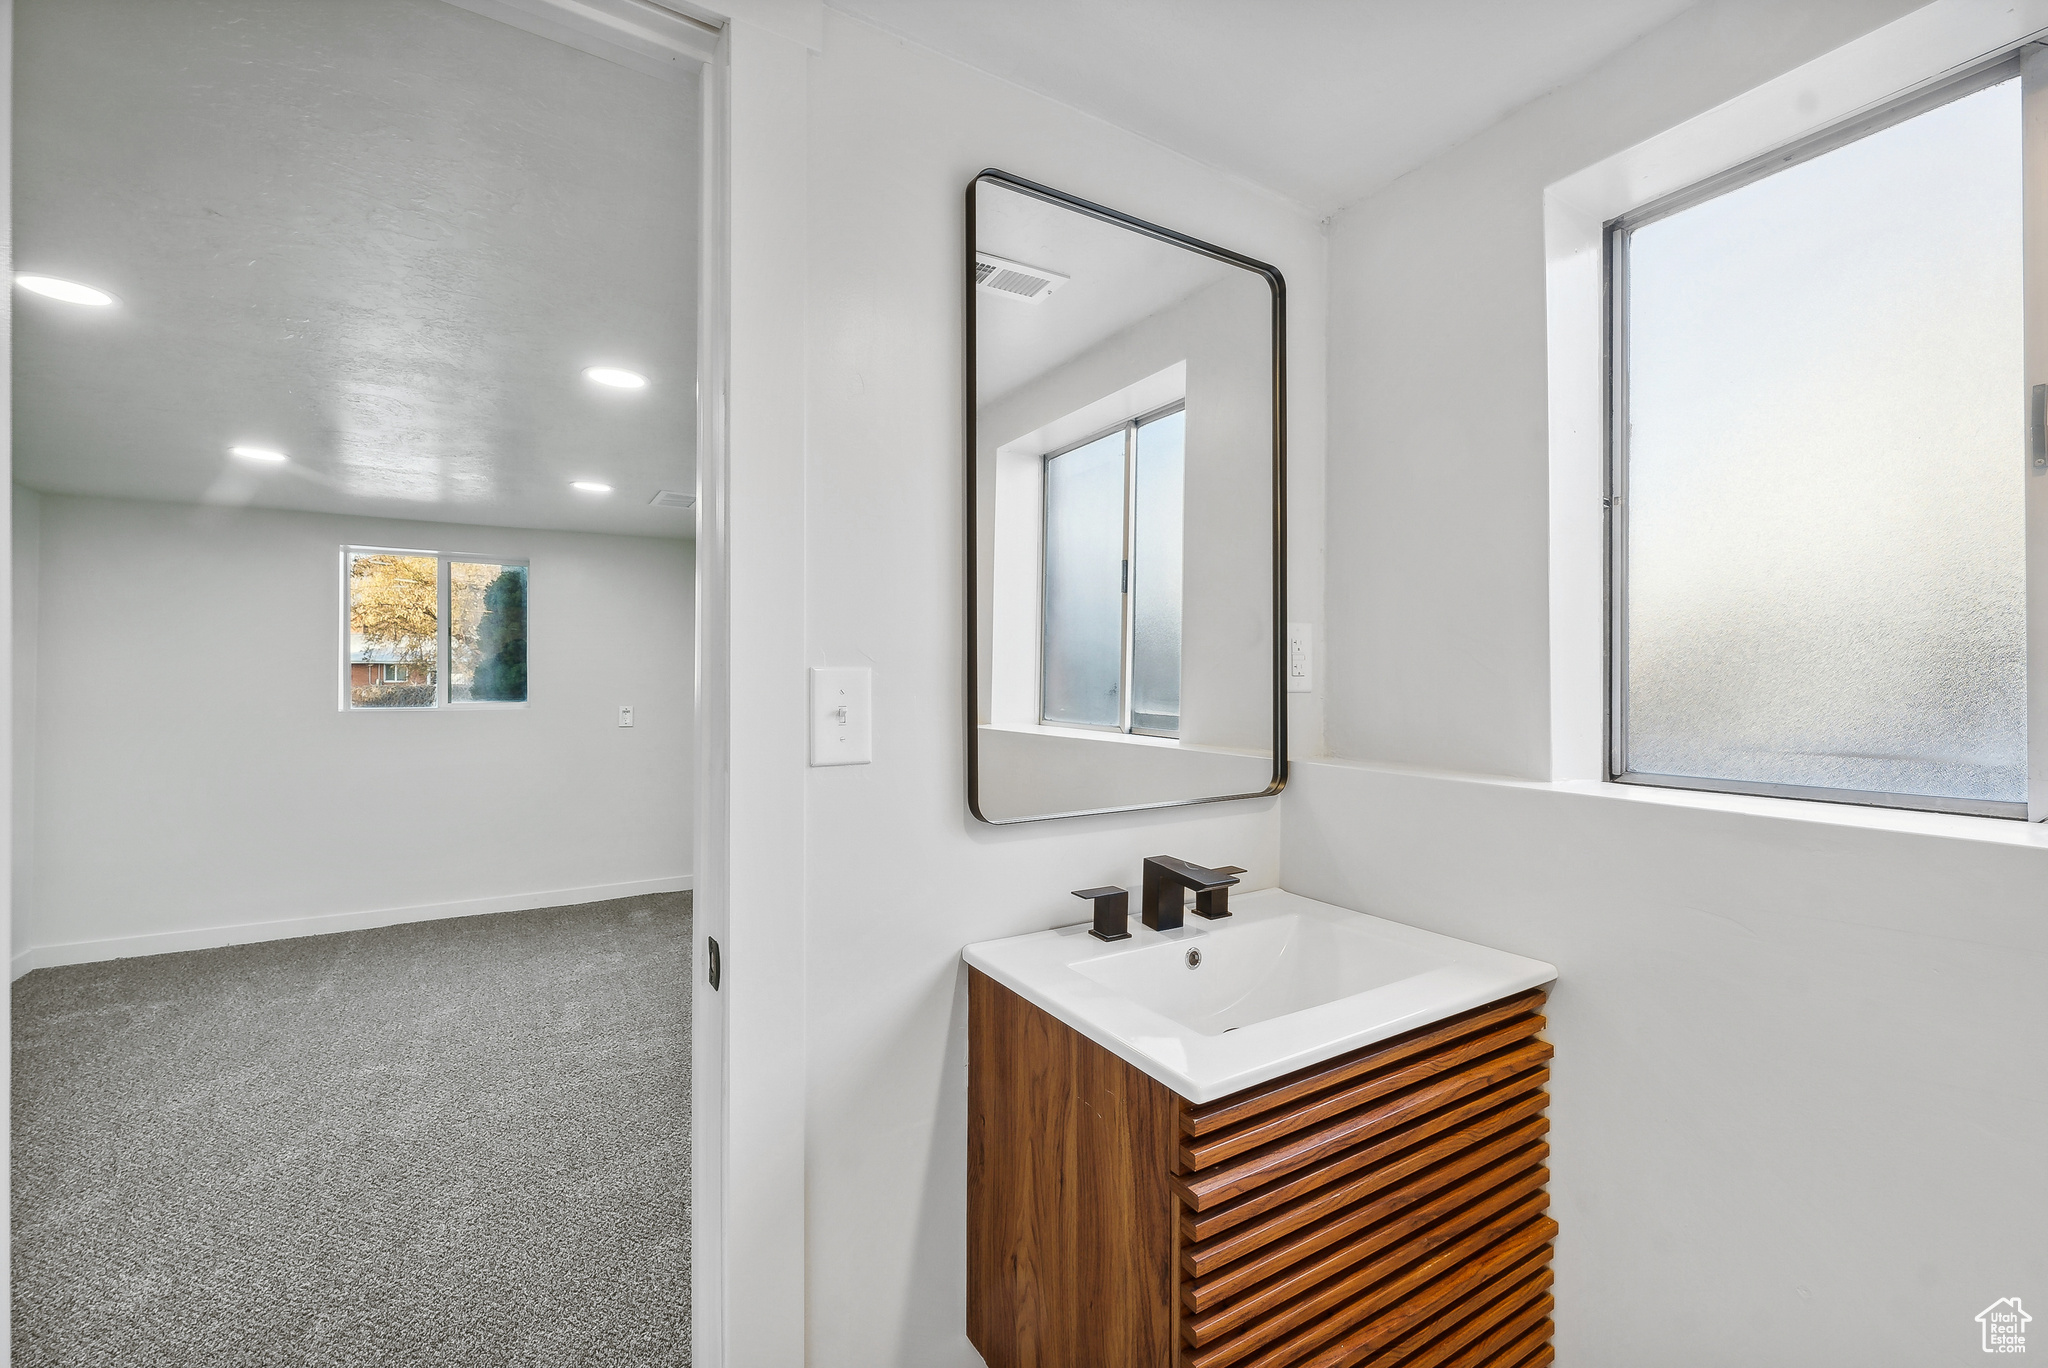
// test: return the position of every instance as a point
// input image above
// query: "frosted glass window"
(1084, 592)
(1822, 471)
(1156, 519)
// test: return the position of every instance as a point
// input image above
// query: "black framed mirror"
(1126, 454)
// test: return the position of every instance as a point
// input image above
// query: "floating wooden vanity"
(1386, 1206)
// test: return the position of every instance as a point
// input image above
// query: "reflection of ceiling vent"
(1014, 278)
(673, 498)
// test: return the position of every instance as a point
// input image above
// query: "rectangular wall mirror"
(1126, 458)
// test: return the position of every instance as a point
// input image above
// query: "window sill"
(441, 708)
(1907, 821)
(1083, 734)
(1118, 738)
(1954, 825)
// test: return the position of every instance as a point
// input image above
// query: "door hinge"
(2038, 429)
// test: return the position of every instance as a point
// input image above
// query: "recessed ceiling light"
(70, 291)
(256, 453)
(617, 379)
(590, 486)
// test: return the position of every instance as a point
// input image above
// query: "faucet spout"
(1162, 901)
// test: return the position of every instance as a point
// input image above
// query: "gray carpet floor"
(457, 1142)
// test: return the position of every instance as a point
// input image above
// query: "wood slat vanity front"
(1384, 1207)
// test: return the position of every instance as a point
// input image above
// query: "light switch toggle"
(841, 715)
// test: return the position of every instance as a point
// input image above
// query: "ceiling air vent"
(673, 498)
(1014, 278)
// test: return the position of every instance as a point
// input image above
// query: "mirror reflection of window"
(1084, 555)
(1113, 528)
(1156, 520)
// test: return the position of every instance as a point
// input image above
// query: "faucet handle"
(1214, 903)
(1112, 912)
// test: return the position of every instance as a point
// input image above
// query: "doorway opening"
(359, 351)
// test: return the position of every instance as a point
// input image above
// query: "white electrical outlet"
(841, 712)
(625, 714)
(1301, 658)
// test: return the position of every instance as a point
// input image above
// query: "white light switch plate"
(1301, 657)
(841, 716)
(625, 714)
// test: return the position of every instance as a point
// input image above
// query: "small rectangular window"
(394, 625)
(405, 612)
(487, 632)
(1112, 592)
(1817, 497)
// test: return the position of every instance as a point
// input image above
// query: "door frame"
(748, 1046)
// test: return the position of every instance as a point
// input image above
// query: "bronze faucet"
(1161, 905)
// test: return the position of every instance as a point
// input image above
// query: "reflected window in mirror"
(1158, 450)
(1113, 523)
(1126, 458)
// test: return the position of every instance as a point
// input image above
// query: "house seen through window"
(410, 611)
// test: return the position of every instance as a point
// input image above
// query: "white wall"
(1035, 770)
(195, 782)
(26, 562)
(900, 877)
(1437, 486)
(1798, 1099)
(748, 1187)
(1799, 1090)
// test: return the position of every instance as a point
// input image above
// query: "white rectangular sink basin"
(1282, 983)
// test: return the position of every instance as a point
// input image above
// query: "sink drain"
(1194, 959)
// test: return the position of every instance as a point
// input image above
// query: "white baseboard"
(208, 937)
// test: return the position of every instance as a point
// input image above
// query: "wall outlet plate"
(841, 715)
(1301, 657)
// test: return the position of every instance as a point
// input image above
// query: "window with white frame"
(1820, 466)
(406, 612)
(1110, 657)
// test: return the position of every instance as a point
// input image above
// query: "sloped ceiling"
(1323, 101)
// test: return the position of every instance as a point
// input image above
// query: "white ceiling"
(1118, 277)
(384, 236)
(1323, 101)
